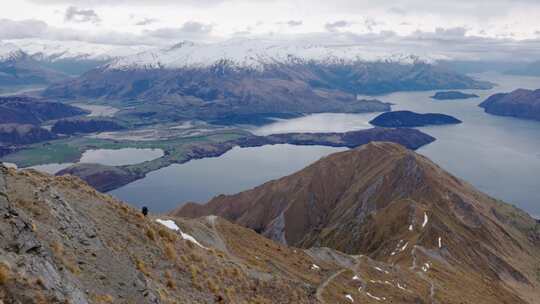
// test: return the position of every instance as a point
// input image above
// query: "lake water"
(117, 157)
(200, 180)
(498, 155)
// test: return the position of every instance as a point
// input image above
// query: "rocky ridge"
(397, 207)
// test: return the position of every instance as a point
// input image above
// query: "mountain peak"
(393, 205)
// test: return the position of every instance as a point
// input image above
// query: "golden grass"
(170, 251)
(5, 273)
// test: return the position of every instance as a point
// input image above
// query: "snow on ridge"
(53, 50)
(9, 51)
(255, 54)
(172, 225)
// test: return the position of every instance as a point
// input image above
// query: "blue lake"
(498, 155)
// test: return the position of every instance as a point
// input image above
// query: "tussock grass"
(5, 273)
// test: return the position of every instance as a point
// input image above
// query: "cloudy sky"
(466, 26)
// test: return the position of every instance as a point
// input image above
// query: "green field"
(71, 149)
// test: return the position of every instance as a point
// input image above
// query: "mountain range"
(241, 77)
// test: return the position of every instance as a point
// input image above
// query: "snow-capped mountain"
(52, 50)
(256, 54)
(9, 51)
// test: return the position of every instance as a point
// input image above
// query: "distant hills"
(247, 77)
(520, 103)
(21, 117)
(29, 110)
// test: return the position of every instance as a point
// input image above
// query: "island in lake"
(520, 103)
(107, 178)
(451, 95)
(408, 119)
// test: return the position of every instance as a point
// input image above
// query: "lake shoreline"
(108, 178)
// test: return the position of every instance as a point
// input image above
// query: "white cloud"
(74, 14)
(337, 25)
(146, 21)
(191, 30)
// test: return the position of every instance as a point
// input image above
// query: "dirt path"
(323, 285)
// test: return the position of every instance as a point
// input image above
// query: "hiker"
(144, 210)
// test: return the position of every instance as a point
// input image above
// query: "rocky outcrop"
(63, 242)
(28, 110)
(86, 125)
(408, 119)
(450, 95)
(520, 103)
(17, 134)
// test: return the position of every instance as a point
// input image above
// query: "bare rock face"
(393, 205)
(520, 103)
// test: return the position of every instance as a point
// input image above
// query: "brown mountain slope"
(63, 242)
(398, 207)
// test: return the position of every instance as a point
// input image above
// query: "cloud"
(10, 29)
(191, 30)
(74, 14)
(146, 21)
(370, 24)
(337, 25)
(93, 3)
(397, 11)
(293, 23)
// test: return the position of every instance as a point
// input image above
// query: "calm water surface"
(200, 180)
(498, 155)
(109, 157)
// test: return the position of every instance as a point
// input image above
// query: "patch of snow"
(425, 267)
(404, 247)
(425, 220)
(401, 287)
(172, 225)
(350, 298)
(9, 51)
(9, 165)
(410, 227)
(379, 269)
(315, 267)
(169, 224)
(374, 297)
